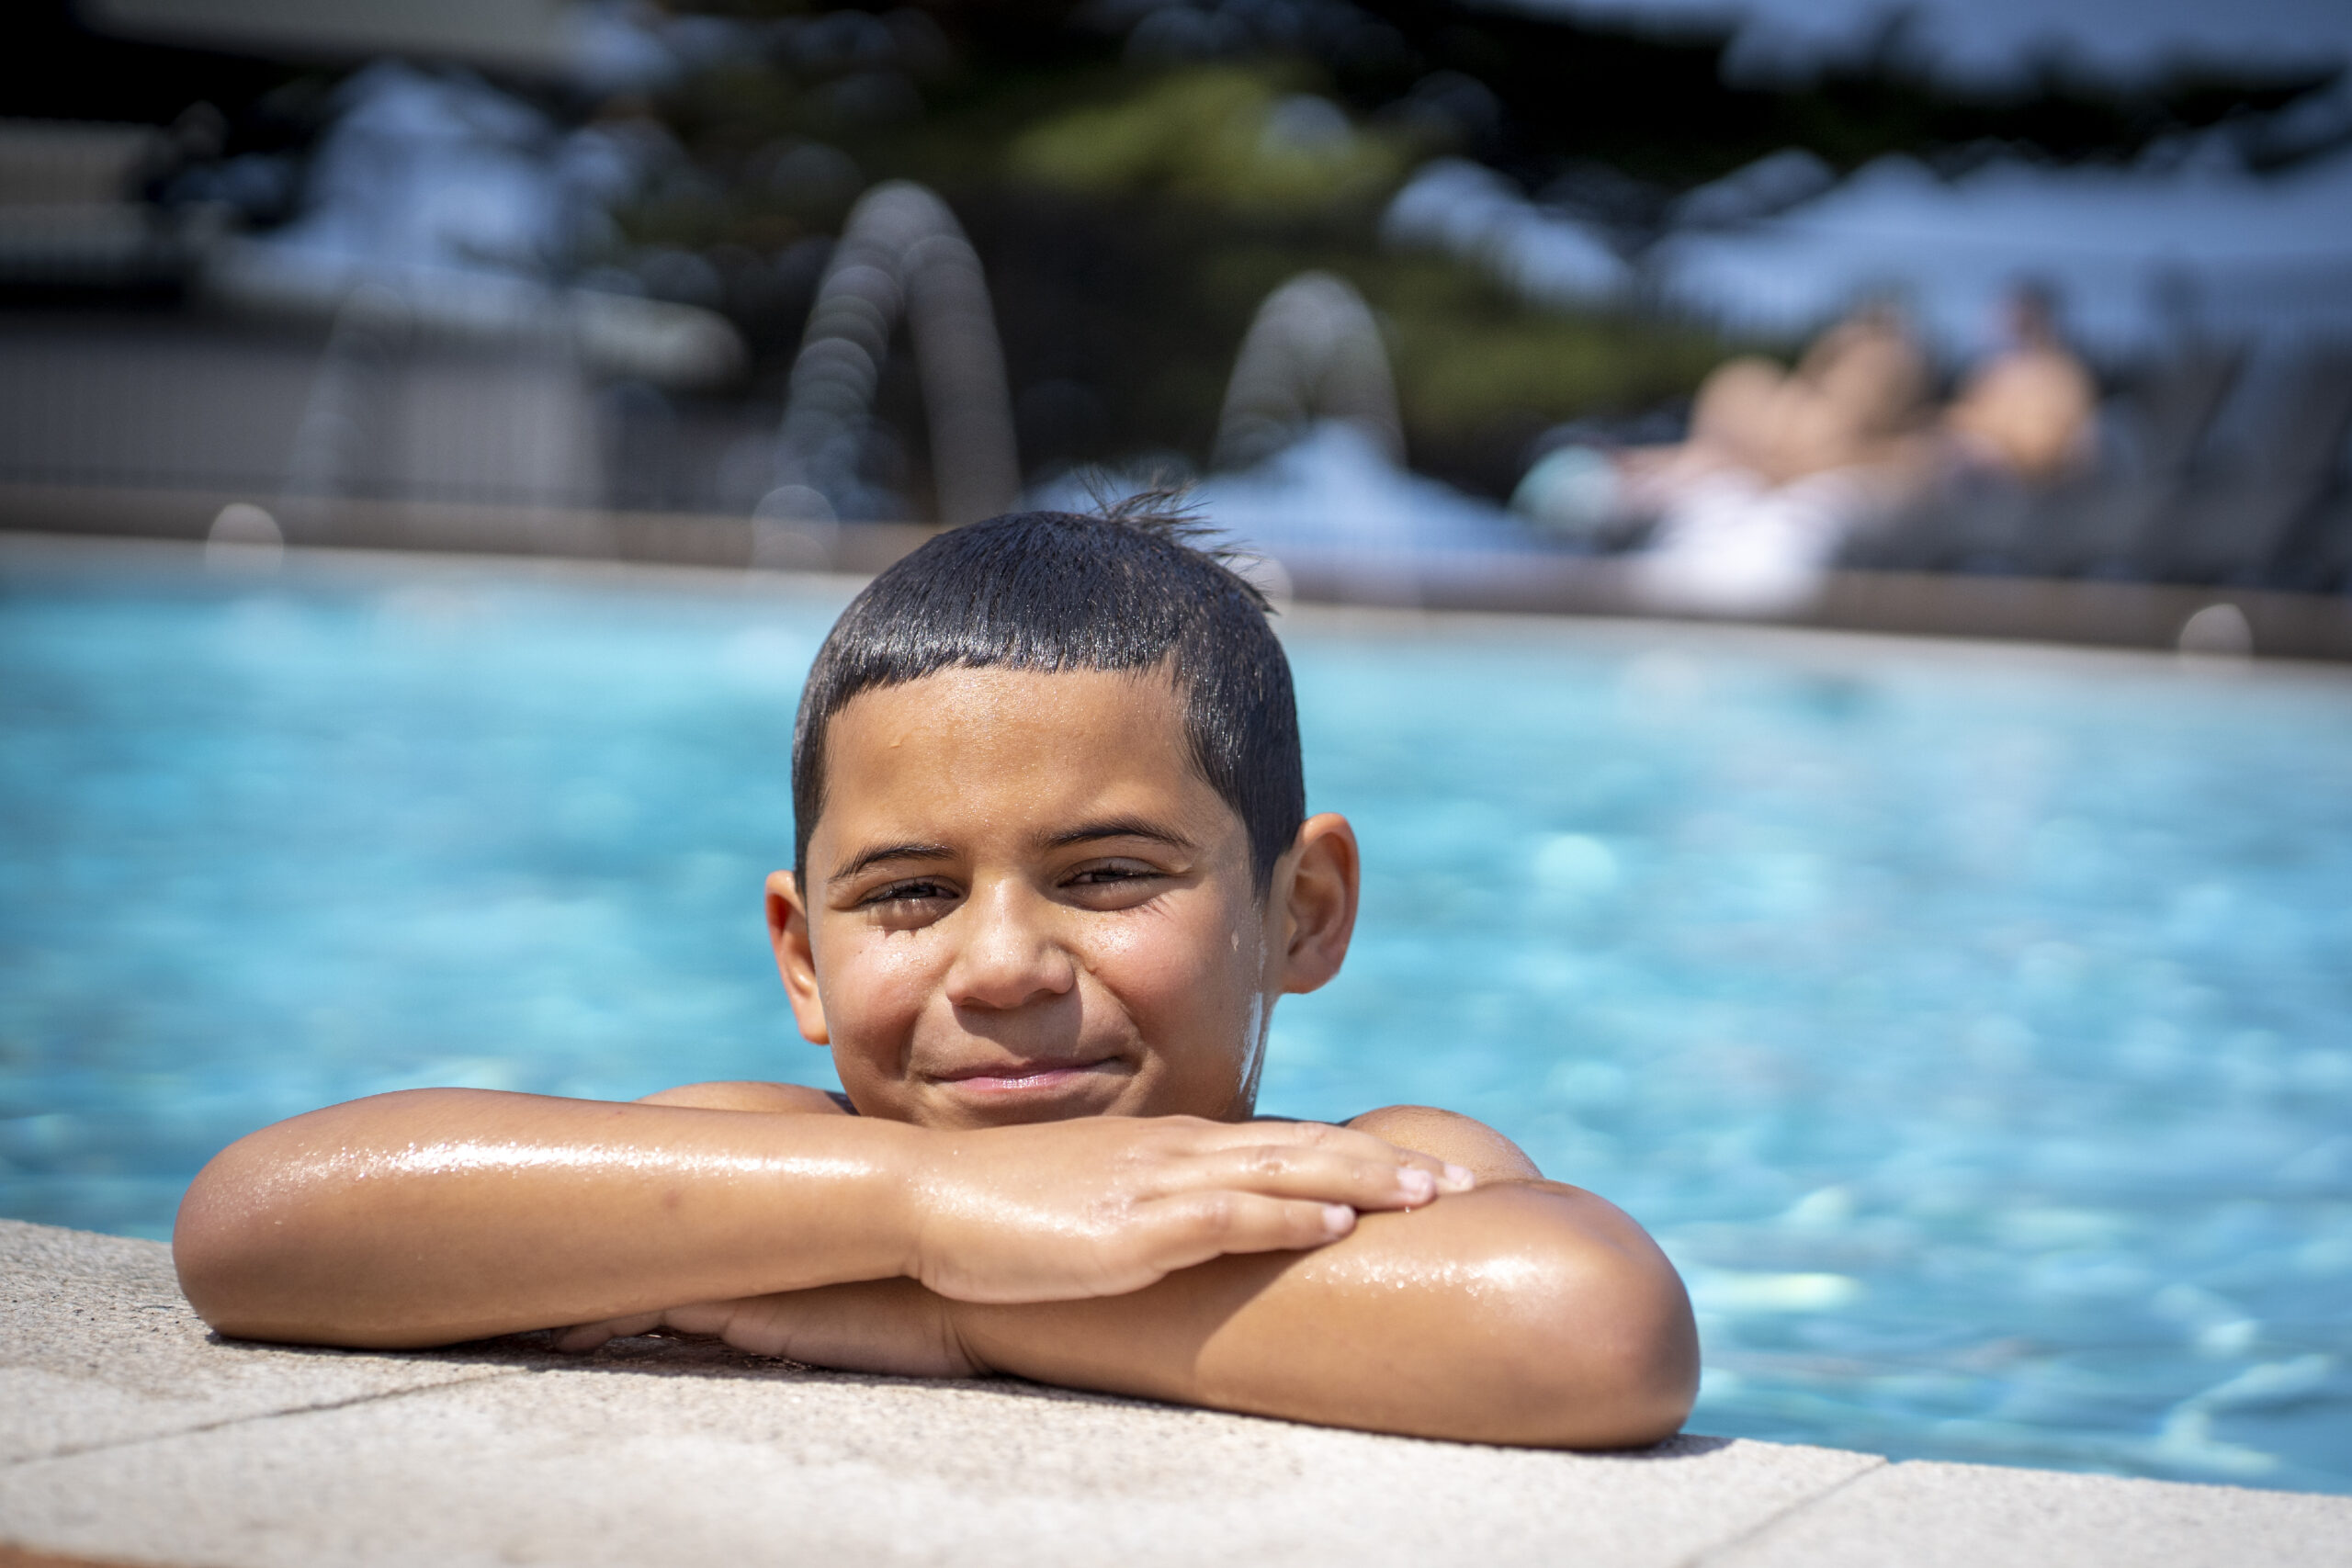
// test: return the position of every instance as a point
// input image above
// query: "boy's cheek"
(862, 995)
(869, 988)
(1203, 983)
(1203, 935)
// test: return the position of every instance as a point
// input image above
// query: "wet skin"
(1027, 905)
(1031, 940)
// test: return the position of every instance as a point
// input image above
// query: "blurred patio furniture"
(2163, 500)
(2236, 527)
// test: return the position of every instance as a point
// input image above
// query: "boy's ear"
(1319, 915)
(795, 959)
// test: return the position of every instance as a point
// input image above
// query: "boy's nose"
(1008, 954)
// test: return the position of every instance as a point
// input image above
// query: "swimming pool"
(1971, 1024)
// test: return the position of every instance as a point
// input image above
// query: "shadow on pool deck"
(670, 1356)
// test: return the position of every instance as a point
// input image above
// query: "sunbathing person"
(2027, 414)
(1053, 871)
(1853, 413)
(1854, 410)
(1780, 472)
(1857, 398)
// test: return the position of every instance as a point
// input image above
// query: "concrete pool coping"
(2079, 611)
(130, 1434)
(1829, 648)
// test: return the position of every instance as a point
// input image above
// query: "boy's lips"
(1014, 1077)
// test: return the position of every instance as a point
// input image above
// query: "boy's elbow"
(1612, 1357)
(280, 1235)
(1590, 1341)
(220, 1246)
(254, 1242)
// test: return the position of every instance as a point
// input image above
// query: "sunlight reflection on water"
(1970, 1026)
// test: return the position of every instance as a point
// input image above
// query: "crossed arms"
(1181, 1259)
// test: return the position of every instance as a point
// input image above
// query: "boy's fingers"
(1342, 1141)
(1210, 1224)
(1327, 1174)
(702, 1318)
(588, 1335)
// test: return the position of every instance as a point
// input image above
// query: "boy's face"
(1025, 903)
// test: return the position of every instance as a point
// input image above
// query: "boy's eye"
(920, 890)
(1110, 876)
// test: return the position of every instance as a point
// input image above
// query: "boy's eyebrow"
(1119, 828)
(881, 853)
(1084, 833)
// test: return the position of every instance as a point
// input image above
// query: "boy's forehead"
(985, 743)
(991, 703)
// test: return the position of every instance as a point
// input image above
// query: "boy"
(1053, 869)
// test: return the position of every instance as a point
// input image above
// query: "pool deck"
(129, 1434)
(2012, 609)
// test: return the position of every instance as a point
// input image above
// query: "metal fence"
(300, 417)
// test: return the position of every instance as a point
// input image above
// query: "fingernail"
(1419, 1185)
(1460, 1178)
(1339, 1219)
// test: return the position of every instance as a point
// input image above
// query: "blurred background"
(1970, 1022)
(1695, 303)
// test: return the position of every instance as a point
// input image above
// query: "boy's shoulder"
(1449, 1136)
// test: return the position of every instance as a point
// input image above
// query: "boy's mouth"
(1018, 1078)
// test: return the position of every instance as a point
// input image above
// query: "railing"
(298, 417)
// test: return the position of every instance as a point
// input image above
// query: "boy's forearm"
(1523, 1313)
(440, 1216)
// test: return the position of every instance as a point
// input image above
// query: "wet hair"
(1133, 587)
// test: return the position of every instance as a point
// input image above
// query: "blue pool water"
(1971, 1026)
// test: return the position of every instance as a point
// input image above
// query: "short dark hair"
(1129, 589)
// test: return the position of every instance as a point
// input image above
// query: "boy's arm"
(1525, 1311)
(439, 1216)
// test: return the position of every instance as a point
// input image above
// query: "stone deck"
(129, 1435)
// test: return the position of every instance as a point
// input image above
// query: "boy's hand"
(1100, 1206)
(878, 1325)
